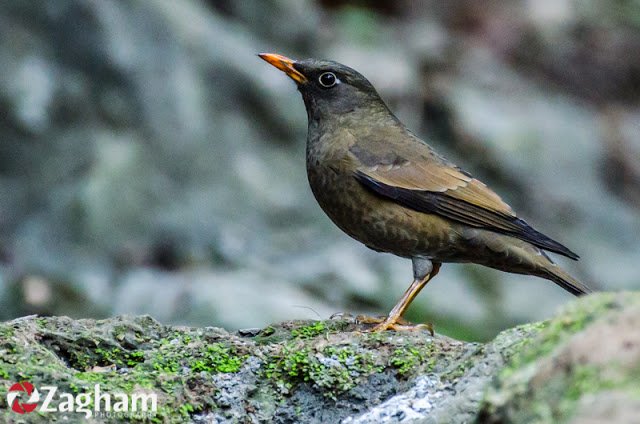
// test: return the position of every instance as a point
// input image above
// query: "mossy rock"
(577, 369)
(329, 371)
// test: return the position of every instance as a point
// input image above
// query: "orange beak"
(285, 65)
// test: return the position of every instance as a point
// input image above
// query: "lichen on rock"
(590, 351)
(335, 371)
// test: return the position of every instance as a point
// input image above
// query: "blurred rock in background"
(150, 163)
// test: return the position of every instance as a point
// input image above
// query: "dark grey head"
(327, 87)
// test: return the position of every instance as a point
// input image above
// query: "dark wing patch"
(439, 203)
(368, 158)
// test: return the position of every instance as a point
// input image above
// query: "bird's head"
(327, 87)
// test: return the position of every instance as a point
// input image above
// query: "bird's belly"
(379, 223)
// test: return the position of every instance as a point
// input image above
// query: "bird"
(388, 189)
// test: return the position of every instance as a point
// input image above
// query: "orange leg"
(394, 319)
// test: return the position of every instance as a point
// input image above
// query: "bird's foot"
(385, 326)
(389, 323)
(367, 319)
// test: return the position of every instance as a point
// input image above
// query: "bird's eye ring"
(328, 79)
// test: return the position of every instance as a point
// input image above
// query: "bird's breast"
(378, 223)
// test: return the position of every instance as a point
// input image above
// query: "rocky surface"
(577, 367)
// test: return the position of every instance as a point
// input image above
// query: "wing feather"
(416, 177)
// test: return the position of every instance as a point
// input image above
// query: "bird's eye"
(327, 79)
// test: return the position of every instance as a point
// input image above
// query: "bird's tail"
(562, 278)
(511, 254)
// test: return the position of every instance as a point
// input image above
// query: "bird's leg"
(423, 271)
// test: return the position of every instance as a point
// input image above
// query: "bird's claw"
(366, 319)
(385, 326)
(387, 323)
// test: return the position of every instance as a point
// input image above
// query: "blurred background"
(150, 163)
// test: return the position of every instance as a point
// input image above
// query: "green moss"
(214, 358)
(41, 322)
(187, 409)
(591, 379)
(291, 365)
(457, 369)
(267, 331)
(375, 338)
(586, 379)
(460, 370)
(6, 331)
(119, 357)
(143, 377)
(331, 369)
(218, 358)
(409, 359)
(7, 344)
(299, 330)
(524, 392)
(87, 357)
(77, 356)
(309, 331)
(334, 369)
(549, 334)
(558, 401)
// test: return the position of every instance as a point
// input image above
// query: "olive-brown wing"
(425, 182)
